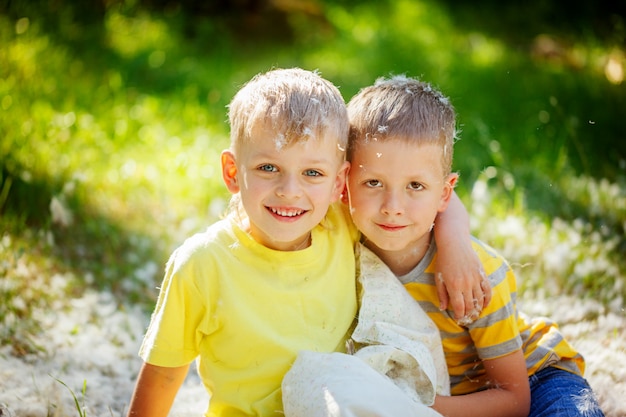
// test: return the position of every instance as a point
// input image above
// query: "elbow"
(524, 409)
(522, 401)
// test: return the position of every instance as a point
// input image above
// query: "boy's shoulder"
(214, 234)
(489, 257)
(338, 217)
(219, 235)
(485, 252)
(339, 212)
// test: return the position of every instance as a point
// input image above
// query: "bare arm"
(460, 275)
(509, 396)
(155, 390)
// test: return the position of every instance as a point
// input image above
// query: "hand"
(461, 282)
(460, 276)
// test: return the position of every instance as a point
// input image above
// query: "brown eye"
(373, 183)
(416, 186)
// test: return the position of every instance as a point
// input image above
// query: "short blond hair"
(403, 108)
(296, 104)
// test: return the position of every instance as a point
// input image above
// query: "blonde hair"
(296, 104)
(403, 108)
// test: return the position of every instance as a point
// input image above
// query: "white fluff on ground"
(95, 343)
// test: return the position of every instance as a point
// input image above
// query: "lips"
(391, 227)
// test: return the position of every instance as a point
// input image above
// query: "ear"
(229, 171)
(345, 196)
(345, 193)
(340, 182)
(448, 188)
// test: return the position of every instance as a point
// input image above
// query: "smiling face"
(286, 189)
(395, 191)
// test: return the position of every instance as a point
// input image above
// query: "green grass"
(80, 409)
(119, 120)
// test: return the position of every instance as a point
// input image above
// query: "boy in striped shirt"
(501, 362)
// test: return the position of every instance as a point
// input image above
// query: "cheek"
(361, 207)
(242, 178)
(357, 217)
(422, 210)
(321, 194)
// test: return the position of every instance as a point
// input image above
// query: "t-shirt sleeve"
(175, 331)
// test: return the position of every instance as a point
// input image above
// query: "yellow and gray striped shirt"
(500, 329)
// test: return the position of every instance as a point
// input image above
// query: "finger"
(478, 301)
(481, 293)
(469, 318)
(442, 292)
(485, 285)
(458, 304)
(470, 302)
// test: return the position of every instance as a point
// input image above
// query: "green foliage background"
(115, 111)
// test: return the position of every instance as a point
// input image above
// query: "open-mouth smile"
(289, 213)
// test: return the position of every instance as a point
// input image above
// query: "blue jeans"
(558, 393)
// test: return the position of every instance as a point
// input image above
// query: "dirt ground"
(94, 346)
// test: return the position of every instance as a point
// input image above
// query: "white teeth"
(287, 213)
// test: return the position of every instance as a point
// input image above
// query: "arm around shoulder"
(460, 275)
(155, 390)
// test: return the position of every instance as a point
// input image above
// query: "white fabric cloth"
(398, 367)
(341, 385)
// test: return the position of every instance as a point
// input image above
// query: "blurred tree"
(523, 20)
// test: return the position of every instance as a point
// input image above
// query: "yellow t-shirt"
(500, 329)
(245, 311)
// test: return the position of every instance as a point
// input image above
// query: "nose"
(289, 187)
(392, 204)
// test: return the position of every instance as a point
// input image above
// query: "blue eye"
(268, 168)
(312, 173)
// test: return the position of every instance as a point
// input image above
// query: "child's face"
(285, 190)
(395, 192)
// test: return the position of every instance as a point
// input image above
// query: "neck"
(401, 262)
(305, 243)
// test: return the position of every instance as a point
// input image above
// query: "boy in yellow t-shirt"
(504, 363)
(277, 275)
